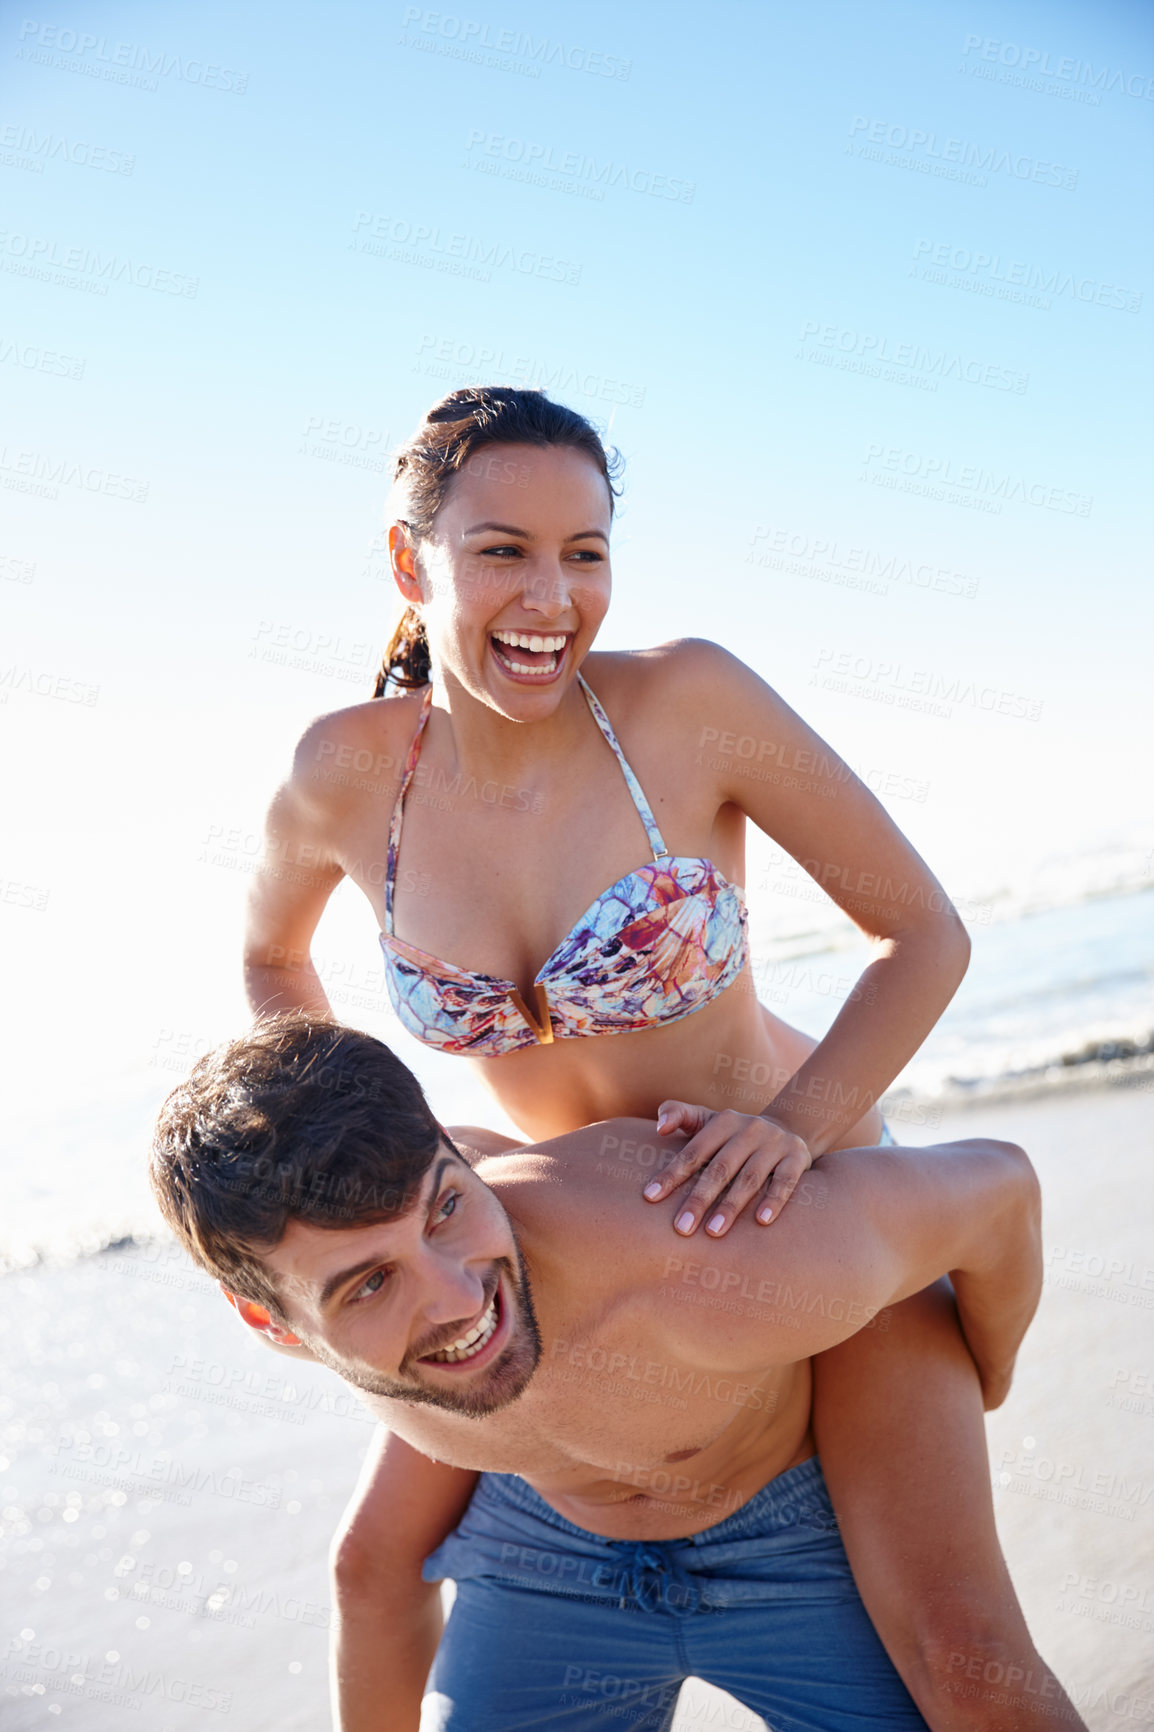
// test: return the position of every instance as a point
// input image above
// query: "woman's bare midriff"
(733, 1053)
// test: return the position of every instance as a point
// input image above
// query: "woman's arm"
(298, 873)
(843, 837)
(822, 815)
(387, 1619)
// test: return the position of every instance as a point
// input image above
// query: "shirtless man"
(644, 1416)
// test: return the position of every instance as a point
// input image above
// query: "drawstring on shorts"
(654, 1580)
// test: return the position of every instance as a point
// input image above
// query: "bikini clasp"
(543, 1030)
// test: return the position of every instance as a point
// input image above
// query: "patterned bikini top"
(656, 946)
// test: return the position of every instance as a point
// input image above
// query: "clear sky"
(861, 292)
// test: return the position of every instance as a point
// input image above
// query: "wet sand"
(168, 1487)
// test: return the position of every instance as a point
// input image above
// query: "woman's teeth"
(529, 641)
(545, 649)
(469, 1345)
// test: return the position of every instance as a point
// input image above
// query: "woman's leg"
(899, 1429)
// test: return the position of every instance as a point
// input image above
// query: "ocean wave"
(1105, 1059)
(781, 932)
(1066, 881)
(927, 1107)
(53, 1249)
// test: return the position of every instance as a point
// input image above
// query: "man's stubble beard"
(472, 1404)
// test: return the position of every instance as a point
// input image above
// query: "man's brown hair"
(298, 1119)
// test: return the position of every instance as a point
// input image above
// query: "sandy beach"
(169, 1487)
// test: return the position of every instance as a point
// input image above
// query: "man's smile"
(467, 1346)
(478, 1345)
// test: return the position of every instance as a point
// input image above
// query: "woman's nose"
(547, 593)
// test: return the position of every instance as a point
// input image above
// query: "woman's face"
(514, 580)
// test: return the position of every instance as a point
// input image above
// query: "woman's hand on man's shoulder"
(743, 1161)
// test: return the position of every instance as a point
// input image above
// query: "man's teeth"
(472, 1343)
(529, 641)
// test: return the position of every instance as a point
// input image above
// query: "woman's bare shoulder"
(695, 659)
(679, 679)
(367, 723)
(356, 750)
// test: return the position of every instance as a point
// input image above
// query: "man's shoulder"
(582, 1160)
(585, 1186)
(476, 1143)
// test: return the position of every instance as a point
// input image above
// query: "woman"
(515, 777)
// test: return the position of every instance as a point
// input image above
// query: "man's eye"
(373, 1285)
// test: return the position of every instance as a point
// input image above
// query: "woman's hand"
(743, 1152)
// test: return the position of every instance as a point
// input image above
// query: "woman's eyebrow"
(527, 534)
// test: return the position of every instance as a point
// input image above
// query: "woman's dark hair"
(427, 465)
(298, 1120)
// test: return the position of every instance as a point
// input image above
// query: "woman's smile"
(532, 658)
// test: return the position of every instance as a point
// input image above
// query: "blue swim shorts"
(556, 1627)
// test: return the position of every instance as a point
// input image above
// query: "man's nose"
(454, 1294)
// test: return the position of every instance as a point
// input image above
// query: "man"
(525, 1317)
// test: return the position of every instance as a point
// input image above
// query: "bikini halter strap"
(399, 807)
(644, 812)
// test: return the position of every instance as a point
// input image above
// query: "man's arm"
(865, 1229)
(387, 1619)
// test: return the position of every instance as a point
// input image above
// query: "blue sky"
(862, 294)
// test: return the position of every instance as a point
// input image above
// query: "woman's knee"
(979, 1670)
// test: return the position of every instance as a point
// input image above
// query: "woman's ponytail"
(406, 662)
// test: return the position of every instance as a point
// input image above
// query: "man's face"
(431, 1308)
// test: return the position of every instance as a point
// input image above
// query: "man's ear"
(257, 1317)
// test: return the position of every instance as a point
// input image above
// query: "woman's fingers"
(706, 1135)
(680, 1116)
(735, 1154)
(747, 1184)
(785, 1178)
(739, 1169)
(787, 1165)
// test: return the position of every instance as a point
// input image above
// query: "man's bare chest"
(611, 1407)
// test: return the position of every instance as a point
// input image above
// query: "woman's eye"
(589, 554)
(500, 550)
(373, 1285)
(448, 1207)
